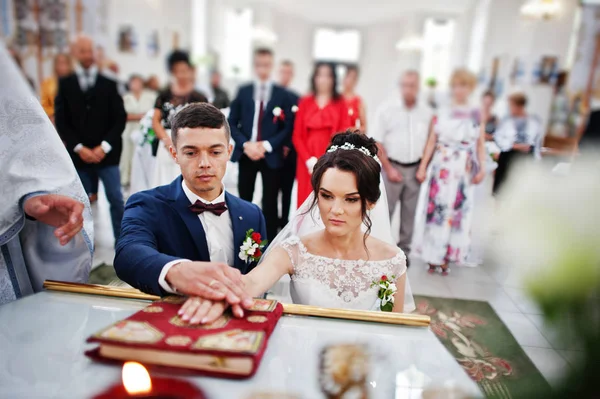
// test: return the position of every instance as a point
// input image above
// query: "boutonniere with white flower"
(278, 115)
(252, 247)
(387, 290)
(295, 109)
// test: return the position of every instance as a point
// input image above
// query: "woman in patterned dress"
(453, 162)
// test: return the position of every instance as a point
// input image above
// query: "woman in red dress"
(320, 115)
(356, 107)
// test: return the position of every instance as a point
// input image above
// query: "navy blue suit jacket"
(158, 228)
(241, 122)
(295, 98)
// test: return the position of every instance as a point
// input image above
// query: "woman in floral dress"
(453, 161)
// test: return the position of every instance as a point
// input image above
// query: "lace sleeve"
(399, 264)
(292, 247)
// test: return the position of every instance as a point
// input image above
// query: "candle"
(138, 384)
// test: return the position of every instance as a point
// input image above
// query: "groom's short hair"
(199, 115)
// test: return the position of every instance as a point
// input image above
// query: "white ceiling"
(364, 12)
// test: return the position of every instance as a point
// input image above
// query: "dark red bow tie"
(200, 207)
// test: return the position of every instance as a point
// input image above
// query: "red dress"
(354, 104)
(313, 129)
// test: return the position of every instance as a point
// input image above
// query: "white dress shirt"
(87, 80)
(507, 134)
(219, 236)
(402, 131)
(262, 90)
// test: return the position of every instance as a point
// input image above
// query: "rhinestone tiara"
(349, 146)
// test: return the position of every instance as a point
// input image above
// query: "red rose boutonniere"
(278, 115)
(252, 247)
(387, 290)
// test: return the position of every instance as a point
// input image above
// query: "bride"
(339, 242)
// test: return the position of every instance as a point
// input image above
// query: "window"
(237, 57)
(478, 35)
(336, 45)
(437, 44)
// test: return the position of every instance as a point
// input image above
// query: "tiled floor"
(501, 286)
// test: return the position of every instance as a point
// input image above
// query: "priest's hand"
(204, 311)
(209, 280)
(59, 211)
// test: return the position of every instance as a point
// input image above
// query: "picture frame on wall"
(496, 82)
(548, 70)
(517, 73)
(127, 40)
(153, 44)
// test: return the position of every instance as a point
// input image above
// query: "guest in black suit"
(90, 118)
(261, 124)
(288, 172)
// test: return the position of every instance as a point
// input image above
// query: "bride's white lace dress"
(335, 283)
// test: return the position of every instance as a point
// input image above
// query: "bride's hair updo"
(365, 168)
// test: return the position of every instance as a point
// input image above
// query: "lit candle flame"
(136, 379)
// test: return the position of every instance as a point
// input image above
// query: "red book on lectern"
(229, 347)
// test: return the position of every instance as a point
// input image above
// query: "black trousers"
(248, 169)
(506, 163)
(590, 142)
(286, 185)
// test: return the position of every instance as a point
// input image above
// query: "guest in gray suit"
(401, 128)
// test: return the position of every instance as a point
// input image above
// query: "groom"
(185, 237)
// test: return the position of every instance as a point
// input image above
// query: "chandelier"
(414, 43)
(540, 9)
(263, 35)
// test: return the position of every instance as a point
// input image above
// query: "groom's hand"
(209, 280)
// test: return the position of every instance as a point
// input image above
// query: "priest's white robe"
(34, 161)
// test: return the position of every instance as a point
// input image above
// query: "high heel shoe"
(445, 270)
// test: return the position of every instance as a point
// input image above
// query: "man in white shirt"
(186, 237)
(261, 125)
(401, 129)
(519, 136)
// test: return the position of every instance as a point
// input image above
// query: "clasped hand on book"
(212, 288)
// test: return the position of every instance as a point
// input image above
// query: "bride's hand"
(204, 311)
